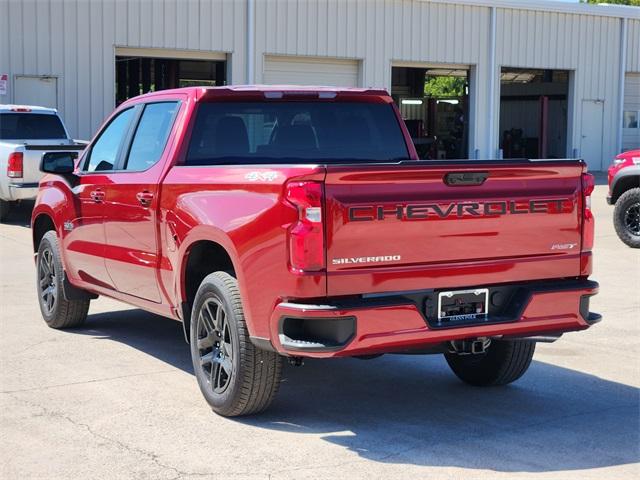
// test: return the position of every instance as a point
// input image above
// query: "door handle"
(97, 196)
(145, 198)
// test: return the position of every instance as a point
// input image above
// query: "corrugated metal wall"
(633, 46)
(75, 40)
(379, 33)
(586, 45)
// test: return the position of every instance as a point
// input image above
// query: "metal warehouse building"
(474, 78)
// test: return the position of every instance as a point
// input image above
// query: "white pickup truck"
(26, 132)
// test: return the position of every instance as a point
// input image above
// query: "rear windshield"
(30, 126)
(291, 132)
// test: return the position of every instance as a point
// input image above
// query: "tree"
(633, 3)
(444, 86)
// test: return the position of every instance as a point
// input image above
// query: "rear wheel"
(503, 362)
(57, 311)
(4, 209)
(626, 217)
(235, 377)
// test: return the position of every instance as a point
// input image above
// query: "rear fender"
(53, 200)
(215, 235)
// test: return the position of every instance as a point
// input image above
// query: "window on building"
(533, 113)
(434, 103)
(138, 75)
(630, 119)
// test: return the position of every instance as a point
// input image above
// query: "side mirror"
(60, 163)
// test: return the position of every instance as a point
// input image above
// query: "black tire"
(57, 311)
(4, 209)
(235, 377)
(626, 217)
(505, 361)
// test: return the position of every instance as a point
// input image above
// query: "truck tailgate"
(424, 225)
(32, 156)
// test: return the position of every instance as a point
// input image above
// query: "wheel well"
(204, 257)
(41, 225)
(624, 184)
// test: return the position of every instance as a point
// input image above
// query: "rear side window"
(292, 132)
(31, 126)
(151, 135)
(104, 151)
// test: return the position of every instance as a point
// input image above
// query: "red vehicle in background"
(299, 222)
(624, 193)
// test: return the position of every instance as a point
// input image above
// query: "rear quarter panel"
(241, 208)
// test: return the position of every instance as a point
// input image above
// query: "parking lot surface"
(118, 399)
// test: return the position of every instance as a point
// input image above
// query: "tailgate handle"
(460, 179)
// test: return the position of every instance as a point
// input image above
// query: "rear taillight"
(588, 224)
(306, 235)
(14, 165)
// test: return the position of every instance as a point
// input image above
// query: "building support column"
(251, 44)
(492, 147)
(622, 73)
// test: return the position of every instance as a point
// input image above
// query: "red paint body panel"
(622, 161)
(138, 253)
(467, 249)
(385, 329)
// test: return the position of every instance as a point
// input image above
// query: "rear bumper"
(398, 322)
(22, 191)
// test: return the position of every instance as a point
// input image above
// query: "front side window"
(151, 135)
(293, 132)
(104, 152)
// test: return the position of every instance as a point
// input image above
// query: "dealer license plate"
(463, 305)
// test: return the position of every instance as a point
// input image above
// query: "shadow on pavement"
(20, 214)
(412, 410)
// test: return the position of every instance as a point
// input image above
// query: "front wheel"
(626, 217)
(503, 362)
(235, 377)
(57, 311)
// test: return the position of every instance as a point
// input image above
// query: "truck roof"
(253, 90)
(27, 109)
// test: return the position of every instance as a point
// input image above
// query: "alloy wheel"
(47, 281)
(215, 346)
(632, 218)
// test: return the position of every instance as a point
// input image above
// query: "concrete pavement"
(117, 399)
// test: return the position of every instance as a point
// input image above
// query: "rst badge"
(563, 246)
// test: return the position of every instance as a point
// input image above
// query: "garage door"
(631, 120)
(311, 71)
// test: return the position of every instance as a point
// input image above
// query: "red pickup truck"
(299, 222)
